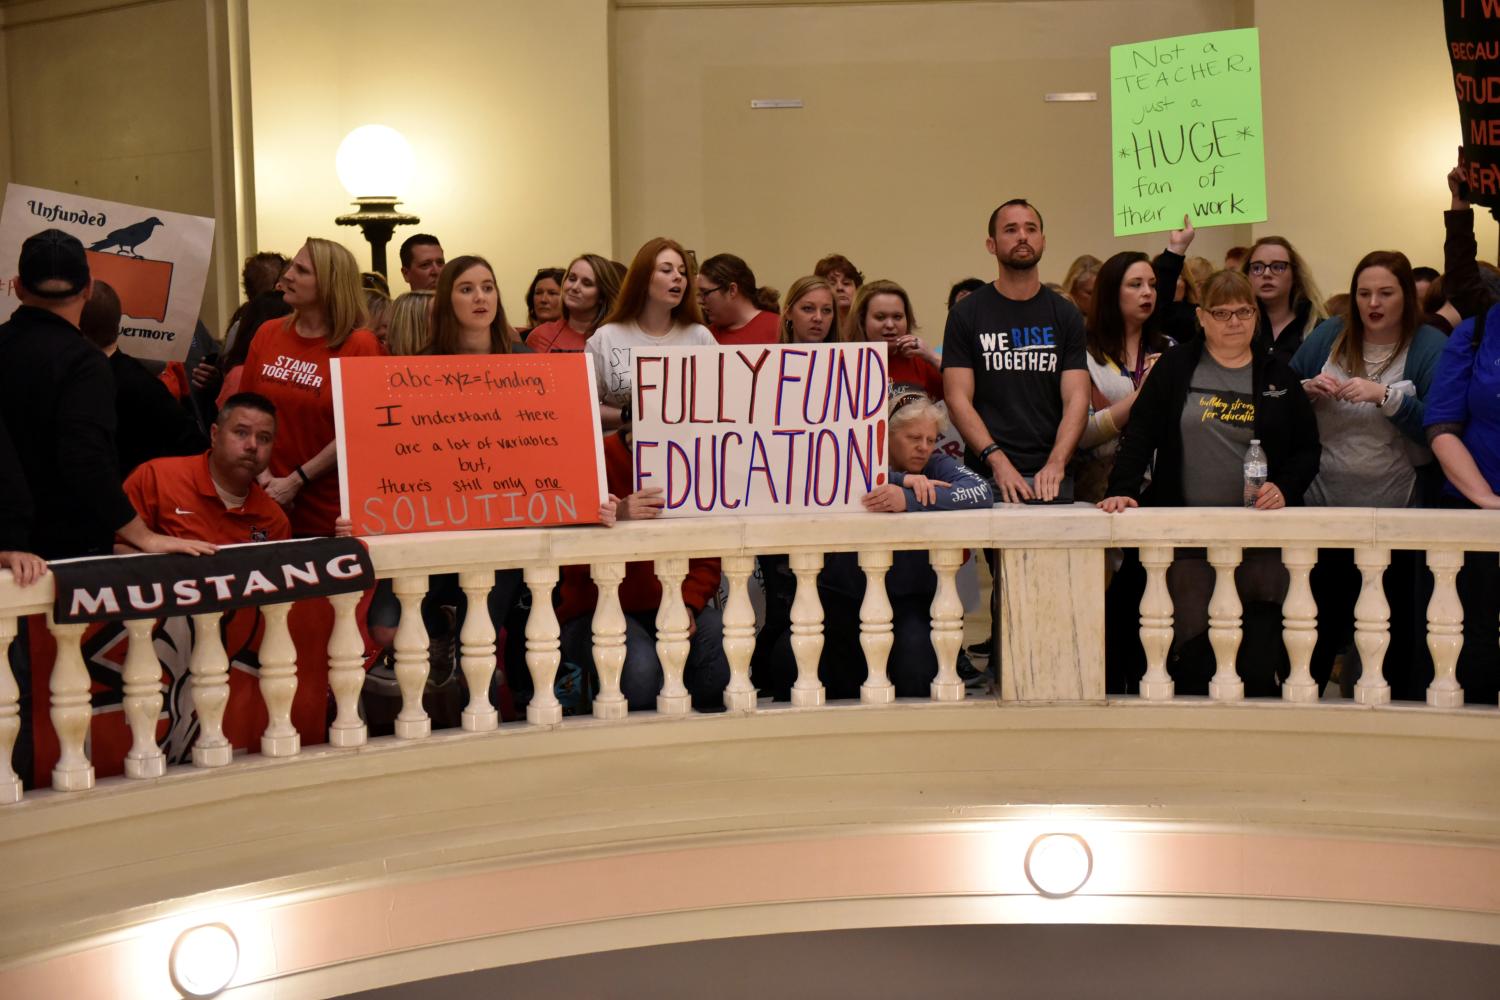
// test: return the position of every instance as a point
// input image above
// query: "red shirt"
(292, 372)
(176, 496)
(912, 370)
(175, 378)
(556, 337)
(640, 591)
(764, 328)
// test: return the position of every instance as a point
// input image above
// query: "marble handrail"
(1052, 584)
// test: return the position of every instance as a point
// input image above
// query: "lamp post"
(374, 164)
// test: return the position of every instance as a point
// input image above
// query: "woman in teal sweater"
(1368, 375)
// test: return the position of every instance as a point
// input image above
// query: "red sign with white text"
(466, 442)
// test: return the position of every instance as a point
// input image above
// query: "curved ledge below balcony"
(529, 843)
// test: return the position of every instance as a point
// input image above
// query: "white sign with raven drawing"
(157, 261)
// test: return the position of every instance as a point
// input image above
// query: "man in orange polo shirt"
(214, 497)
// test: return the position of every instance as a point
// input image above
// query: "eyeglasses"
(704, 293)
(1244, 314)
(1275, 267)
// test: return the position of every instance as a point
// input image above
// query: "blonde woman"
(1290, 303)
(589, 290)
(1078, 284)
(288, 363)
(882, 311)
(809, 314)
(409, 324)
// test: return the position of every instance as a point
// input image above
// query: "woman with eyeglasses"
(655, 309)
(1290, 303)
(1197, 413)
(736, 310)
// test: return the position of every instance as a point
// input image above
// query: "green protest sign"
(1187, 132)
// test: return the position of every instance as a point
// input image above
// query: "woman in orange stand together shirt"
(288, 363)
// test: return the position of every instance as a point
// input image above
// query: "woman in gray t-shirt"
(1367, 374)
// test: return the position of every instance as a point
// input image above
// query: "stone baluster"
(10, 716)
(1156, 623)
(476, 652)
(1299, 619)
(947, 625)
(346, 672)
(278, 683)
(543, 647)
(1372, 626)
(673, 625)
(739, 633)
(1445, 628)
(807, 628)
(609, 641)
(413, 662)
(71, 712)
(1224, 631)
(209, 666)
(142, 701)
(876, 631)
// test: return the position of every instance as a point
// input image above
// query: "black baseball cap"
(53, 255)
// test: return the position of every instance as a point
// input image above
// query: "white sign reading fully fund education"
(760, 429)
(157, 261)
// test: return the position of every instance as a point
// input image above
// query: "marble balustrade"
(1050, 605)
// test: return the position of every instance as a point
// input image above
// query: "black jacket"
(1284, 422)
(57, 399)
(15, 500)
(1285, 345)
(149, 422)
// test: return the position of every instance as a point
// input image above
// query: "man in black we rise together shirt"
(1014, 372)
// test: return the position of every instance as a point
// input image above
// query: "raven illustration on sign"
(129, 238)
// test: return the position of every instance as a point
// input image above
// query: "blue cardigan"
(1421, 362)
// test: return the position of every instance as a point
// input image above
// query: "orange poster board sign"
(144, 286)
(466, 442)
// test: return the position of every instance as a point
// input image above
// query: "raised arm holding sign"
(1187, 137)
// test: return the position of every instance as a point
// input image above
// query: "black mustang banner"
(237, 580)
(1474, 47)
(113, 588)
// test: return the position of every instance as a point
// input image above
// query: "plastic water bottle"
(1255, 472)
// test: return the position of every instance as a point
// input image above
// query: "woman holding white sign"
(288, 363)
(655, 309)
(1290, 303)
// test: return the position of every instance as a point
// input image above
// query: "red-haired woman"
(655, 309)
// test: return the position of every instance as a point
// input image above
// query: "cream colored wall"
(109, 100)
(919, 119)
(1361, 129)
(506, 106)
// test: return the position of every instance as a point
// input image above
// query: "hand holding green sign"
(1187, 131)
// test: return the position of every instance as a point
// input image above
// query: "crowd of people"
(1135, 381)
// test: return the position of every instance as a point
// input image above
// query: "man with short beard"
(1015, 377)
(213, 496)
